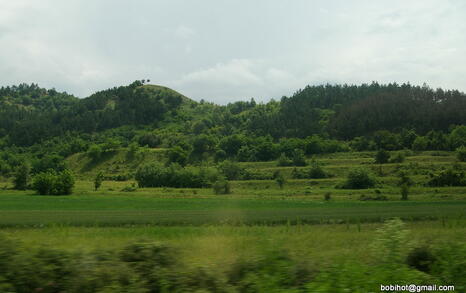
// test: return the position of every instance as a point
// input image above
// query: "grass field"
(217, 232)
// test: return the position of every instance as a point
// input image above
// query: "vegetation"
(156, 175)
(461, 154)
(21, 179)
(448, 177)
(221, 186)
(165, 159)
(98, 180)
(359, 179)
(382, 157)
(53, 183)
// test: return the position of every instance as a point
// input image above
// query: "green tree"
(284, 161)
(99, 178)
(461, 154)
(178, 155)
(221, 186)
(95, 152)
(382, 156)
(53, 183)
(405, 182)
(21, 178)
(298, 158)
(421, 143)
(280, 179)
(231, 170)
(359, 179)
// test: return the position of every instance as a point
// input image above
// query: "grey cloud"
(228, 50)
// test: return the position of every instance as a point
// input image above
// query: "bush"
(284, 161)
(404, 192)
(448, 177)
(314, 172)
(359, 179)
(461, 154)
(405, 183)
(21, 178)
(178, 155)
(280, 179)
(53, 183)
(49, 162)
(95, 152)
(298, 158)
(420, 143)
(421, 258)
(156, 175)
(221, 186)
(99, 178)
(257, 174)
(327, 196)
(382, 156)
(231, 170)
(377, 197)
(398, 158)
(130, 188)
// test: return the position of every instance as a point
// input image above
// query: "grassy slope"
(252, 202)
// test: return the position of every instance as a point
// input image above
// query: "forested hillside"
(31, 114)
(37, 123)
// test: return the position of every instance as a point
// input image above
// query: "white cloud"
(184, 32)
(222, 51)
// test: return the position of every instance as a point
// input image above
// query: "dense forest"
(37, 123)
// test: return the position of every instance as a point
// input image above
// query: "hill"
(37, 124)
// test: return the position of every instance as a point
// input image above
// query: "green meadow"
(257, 238)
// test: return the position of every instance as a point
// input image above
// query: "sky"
(224, 50)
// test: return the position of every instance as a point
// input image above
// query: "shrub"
(421, 258)
(149, 139)
(404, 192)
(420, 143)
(54, 183)
(382, 156)
(49, 162)
(280, 179)
(461, 154)
(365, 197)
(98, 180)
(405, 183)
(221, 186)
(231, 170)
(284, 161)
(130, 188)
(156, 175)
(246, 154)
(257, 174)
(133, 149)
(178, 155)
(398, 158)
(298, 158)
(448, 177)
(327, 196)
(21, 177)
(314, 172)
(95, 152)
(359, 179)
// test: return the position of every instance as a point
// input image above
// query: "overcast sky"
(224, 51)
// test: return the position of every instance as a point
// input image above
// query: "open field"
(321, 243)
(251, 201)
(128, 210)
(257, 239)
